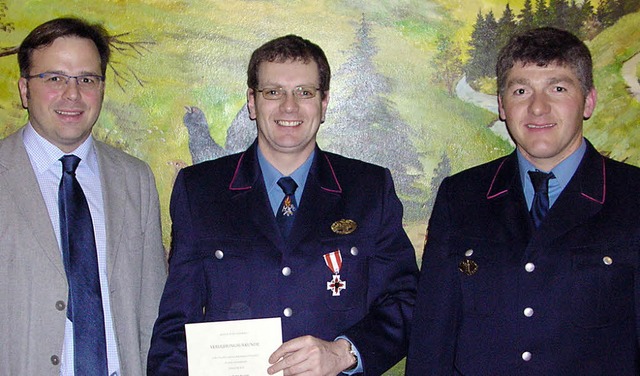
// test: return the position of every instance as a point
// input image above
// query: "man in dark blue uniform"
(287, 230)
(531, 267)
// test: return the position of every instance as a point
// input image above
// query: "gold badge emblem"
(344, 226)
(468, 267)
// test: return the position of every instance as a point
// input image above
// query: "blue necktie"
(84, 307)
(288, 207)
(540, 205)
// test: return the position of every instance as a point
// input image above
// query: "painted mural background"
(411, 90)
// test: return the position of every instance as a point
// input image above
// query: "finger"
(288, 347)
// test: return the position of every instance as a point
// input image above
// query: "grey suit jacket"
(33, 285)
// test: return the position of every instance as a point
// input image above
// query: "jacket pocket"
(602, 286)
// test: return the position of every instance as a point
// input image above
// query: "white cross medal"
(334, 262)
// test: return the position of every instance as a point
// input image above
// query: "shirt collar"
(44, 154)
(563, 172)
(271, 175)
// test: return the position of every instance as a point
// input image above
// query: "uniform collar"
(248, 171)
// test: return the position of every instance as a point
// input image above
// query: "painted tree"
(630, 6)
(590, 24)
(366, 123)
(541, 15)
(608, 12)
(507, 26)
(447, 65)
(482, 47)
(525, 18)
(121, 46)
(5, 26)
(558, 13)
(439, 174)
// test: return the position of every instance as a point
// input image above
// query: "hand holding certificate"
(232, 348)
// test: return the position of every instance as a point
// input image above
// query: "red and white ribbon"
(333, 261)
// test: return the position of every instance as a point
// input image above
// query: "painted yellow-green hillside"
(613, 127)
(194, 53)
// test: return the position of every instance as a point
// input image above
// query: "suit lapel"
(113, 179)
(22, 184)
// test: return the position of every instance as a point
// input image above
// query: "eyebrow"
(82, 73)
(550, 81)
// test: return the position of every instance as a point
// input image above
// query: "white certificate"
(232, 348)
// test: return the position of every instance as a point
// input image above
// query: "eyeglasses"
(299, 92)
(59, 81)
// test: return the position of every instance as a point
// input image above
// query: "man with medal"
(288, 230)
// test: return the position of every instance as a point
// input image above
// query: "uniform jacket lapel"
(321, 194)
(249, 196)
(21, 181)
(581, 199)
(507, 204)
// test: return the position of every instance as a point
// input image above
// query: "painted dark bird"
(201, 145)
(241, 133)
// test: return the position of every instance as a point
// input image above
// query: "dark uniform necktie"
(540, 205)
(288, 207)
(84, 308)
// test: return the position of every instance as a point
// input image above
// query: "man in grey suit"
(62, 67)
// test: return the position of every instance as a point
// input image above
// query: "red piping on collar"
(333, 173)
(604, 187)
(235, 174)
(489, 197)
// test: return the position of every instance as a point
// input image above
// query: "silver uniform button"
(607, 260)
(529, 267)
(469, 252)
(354, 251)
(526, 356)
(528, 311)
(287, 312)
(286, 271)
(219, 254)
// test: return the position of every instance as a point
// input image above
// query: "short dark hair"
(45, 34)
(289, 47)
(544, 46)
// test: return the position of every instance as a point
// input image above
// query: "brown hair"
(283, 49)
(544, 46)
(45, 34)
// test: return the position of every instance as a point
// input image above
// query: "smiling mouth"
(288, 123)
(540, 126)
(69, 113)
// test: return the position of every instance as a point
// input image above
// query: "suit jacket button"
(287, 312)
(286, 271)
(219, 254)
(55, 360)
(526, 356)
(354, 251)
(529, 267)
(60, 306)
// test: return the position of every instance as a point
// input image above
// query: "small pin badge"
(468, 267)
(344, 226)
